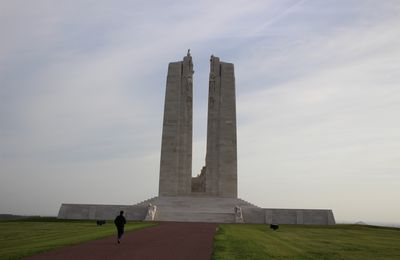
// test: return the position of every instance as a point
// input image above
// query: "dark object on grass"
(274, 226)
(100, 222)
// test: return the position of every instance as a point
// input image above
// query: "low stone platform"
(199, 209)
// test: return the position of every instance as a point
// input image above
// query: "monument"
(219, 175)
(211, 196)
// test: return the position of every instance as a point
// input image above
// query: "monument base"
(198, 209)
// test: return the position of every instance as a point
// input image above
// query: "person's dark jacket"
(120, 221)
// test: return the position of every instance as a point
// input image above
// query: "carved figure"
(151, 212)
(238, 214)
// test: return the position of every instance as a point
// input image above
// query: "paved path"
(168, 240)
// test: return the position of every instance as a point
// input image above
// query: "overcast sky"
(82, 87)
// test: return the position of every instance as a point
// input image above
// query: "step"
(198, 203)
(195, 217)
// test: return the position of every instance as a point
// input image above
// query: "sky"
(82, 87)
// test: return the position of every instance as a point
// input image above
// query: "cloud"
(330, 130)
(82, 89)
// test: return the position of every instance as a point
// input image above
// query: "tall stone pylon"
(176, 147)
(221, 157)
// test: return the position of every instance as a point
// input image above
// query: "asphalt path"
(168, 240)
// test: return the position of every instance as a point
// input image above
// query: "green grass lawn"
(245, 241)
(27, 237)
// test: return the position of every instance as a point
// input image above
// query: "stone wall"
(101, 212)
(199, 182)
(289, 216)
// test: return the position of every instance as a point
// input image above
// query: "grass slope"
(247, 241)
(29, 237)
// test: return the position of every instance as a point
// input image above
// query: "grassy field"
(27, 237)
(306, 242)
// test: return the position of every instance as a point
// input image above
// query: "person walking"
(120, 222)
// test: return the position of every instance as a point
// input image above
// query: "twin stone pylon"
(218, 178)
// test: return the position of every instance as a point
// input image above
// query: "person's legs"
(120, 233)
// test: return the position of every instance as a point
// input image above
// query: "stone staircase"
(248, 203)
(145, 202)
(206, 217)
(196, 209)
